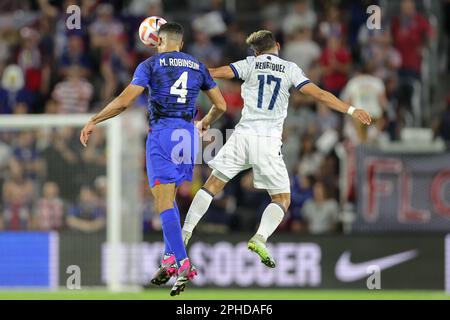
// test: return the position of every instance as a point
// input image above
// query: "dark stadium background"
(48, 183)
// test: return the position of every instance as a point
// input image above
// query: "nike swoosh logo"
(346, 271)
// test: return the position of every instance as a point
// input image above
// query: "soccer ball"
(148, 30)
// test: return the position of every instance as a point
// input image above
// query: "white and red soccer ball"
(148, 30)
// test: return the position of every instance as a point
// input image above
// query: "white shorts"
(263, 154)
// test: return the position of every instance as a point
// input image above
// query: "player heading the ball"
(256, 140)
(174, 80)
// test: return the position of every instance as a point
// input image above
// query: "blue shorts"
(170, 155)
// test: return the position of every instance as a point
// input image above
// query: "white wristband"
(350, 110)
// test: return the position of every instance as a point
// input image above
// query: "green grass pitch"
(227, 294)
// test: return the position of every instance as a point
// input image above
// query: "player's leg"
(270, 220)
(175, 252)
(230, 160)
(185, 273)
(168, 266)
(166, 170)
(201, 202)
(270, 173)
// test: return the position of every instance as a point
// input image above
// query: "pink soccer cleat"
(167, 269)
(185, 274)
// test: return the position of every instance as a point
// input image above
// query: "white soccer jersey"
(267, 81)
(365, 90)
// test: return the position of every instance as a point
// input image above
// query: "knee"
(214, 184)
(283, 199)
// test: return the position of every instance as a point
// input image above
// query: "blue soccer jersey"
(174, 80)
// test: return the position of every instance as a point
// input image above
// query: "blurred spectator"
(116, 67)
(326, 119)
(51, 107)
(30, 60)
(86, 215)
(368, 92)
(301, 192)
(379, 52)
(309, 158)
(252, 202)
(300, 17)
(12, 90)
(302, 50)
(231, 92)
(74, 94)
(75, 55)
(335, 62)
(49, 212)
(105, 27)
(17, 195)
(26, 153)
(149, 7)
(332, 25)
(300, 120)
(320, 213)
(411, 31)
(236, 48)
(211, 24)
(94, 157)
(62, 159)
(101, 189)
(203, 49)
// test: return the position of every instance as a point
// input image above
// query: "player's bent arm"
(333, 102)
(119, 104)
(114, 108)
(224, 72)
(219, 106)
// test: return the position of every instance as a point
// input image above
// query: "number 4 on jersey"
(276, 90)
(179, 87)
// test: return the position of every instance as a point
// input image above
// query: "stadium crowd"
(48, 183)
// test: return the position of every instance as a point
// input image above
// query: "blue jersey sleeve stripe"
(299, 86)
(236, 75)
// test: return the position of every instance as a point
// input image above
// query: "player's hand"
(202, 127)
(86, 132)
(362, 116)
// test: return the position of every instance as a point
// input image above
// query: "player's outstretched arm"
(219, 106)
(330, 100)
(114, 108)
(224, 72)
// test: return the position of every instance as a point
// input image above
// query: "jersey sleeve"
(241, 68)
(298, 77)
(208, 82)
(141, 75)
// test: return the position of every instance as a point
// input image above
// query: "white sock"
(198, 208)
(270, 220)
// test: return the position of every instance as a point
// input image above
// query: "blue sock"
(167, 249)
(172, 230)
(178, 211)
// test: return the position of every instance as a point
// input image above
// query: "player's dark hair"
(172, 28)
(261, 41)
